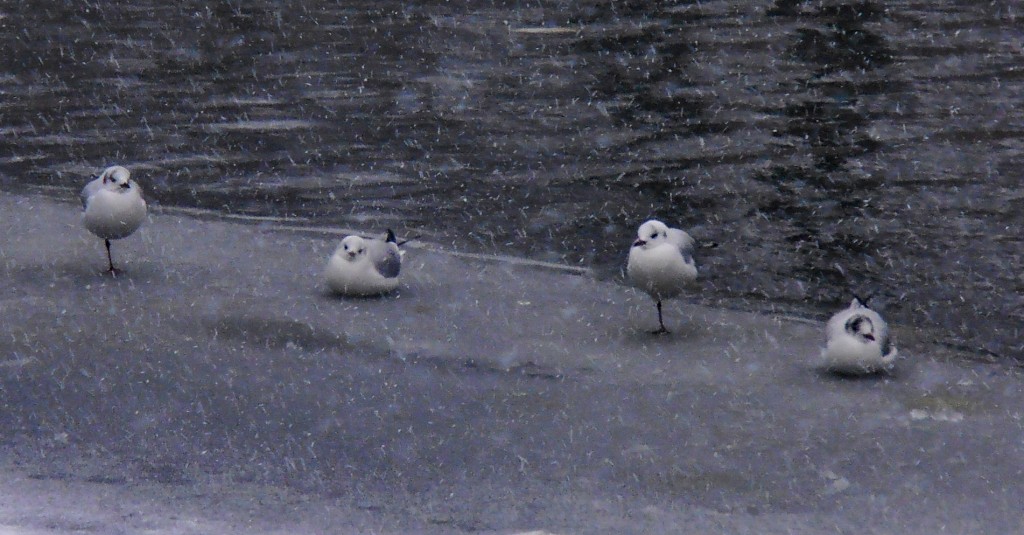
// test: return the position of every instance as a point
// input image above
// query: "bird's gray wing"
(884, 339)
(683, 241)
(386, 259)
(89, 190)
(138, 189)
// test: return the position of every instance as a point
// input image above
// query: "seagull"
(114, 207)
(364, 266)
(661, 263)
(858, 341)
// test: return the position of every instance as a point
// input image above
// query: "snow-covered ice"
(481, 396)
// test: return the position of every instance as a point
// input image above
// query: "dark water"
(827, 147)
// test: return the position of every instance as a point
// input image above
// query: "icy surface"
(215, 386)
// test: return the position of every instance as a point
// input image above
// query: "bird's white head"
(651, 233)
(117, 177)
(352, 247)
(861, 327)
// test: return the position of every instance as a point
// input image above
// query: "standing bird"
(364, 266)
(114, 207)
(858, 341)
(661, 263)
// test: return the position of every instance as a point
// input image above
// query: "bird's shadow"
(82, 273)
(844, 376)
(640, 334)
(398, 293)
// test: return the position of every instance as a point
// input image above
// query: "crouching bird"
(858, 341)
(364, 266)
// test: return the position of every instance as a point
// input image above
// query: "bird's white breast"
(660, 271)
(847, 354)
(114, 215)
(356, 278)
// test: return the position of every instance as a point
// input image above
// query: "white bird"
(364, 266)
(114, 207)
(858, 341)
(661, 263)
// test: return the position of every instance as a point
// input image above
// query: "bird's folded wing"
(386, 259)
(89, 190)
(683, 241)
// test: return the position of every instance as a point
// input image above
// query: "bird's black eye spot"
(655, 235)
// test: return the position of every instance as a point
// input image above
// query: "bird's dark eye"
(655, 235)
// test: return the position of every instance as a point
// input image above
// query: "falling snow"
(815, 150)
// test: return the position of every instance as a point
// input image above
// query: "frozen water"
(483, 396)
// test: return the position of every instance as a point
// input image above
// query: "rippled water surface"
(826, 147)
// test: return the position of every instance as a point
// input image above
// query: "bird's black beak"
(639, 243)
(870, 337)
(125, 185)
